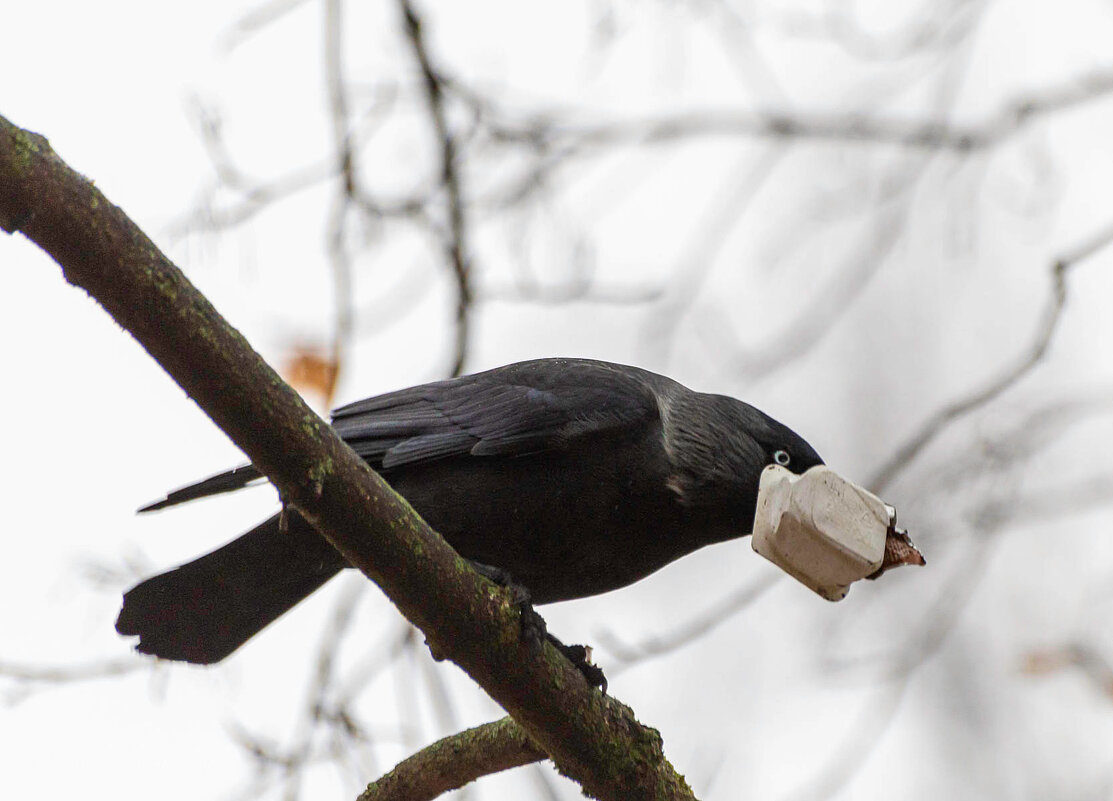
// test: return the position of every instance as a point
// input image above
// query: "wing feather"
(515, 410)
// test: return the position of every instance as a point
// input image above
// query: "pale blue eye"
(782, 458)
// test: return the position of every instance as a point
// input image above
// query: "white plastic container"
(820, 528)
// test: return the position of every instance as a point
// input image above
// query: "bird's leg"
(533, 625)
(534, 630)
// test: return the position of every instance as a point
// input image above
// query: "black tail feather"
(206, 609)
(228, 481)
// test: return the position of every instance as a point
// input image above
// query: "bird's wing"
(228, 481)
(509, 411)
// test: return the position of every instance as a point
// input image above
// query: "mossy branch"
(453, 761)
(590, 737)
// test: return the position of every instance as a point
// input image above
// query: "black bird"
(573, 477)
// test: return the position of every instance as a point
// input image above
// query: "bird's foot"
(535, 631)
(533, 625)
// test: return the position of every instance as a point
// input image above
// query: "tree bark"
(590, 737)
(452, 762)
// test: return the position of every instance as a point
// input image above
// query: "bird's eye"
(782, 458)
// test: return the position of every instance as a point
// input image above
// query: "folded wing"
(511, 411)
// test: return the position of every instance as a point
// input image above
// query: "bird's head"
(781, 445)
(718, 447)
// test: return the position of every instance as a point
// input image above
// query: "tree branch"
(452, 762)
(546, 130)
(590, 737)
(1033, 355)
(456, 251)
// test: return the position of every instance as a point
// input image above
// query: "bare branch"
(1032, 356)
(830, 302)
(315, 709)
(699, 625)
(254, 195)
(880, 711)
(937, 28)
(588, 735)
(344, 160)
(853, 750)
(452, 762)
(258, 18)
(539, 132)
(26, 679)
(579, 292)
(456, 250)
(1094, 492)
(64, 674)
(707, 240)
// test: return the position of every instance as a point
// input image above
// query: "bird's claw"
(534, 630)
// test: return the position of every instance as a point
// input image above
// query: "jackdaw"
(572, 477)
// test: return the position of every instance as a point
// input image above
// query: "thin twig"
(1029, 359)
(456, 250)
(454, 761)
(723, 216)
(258, 18)
(830, 302)
(59, 674)
(26, 679)
(315, 711)
(880, 711)
(579, 292)
(253, 194)
(1013, 116)
(344, 160)
(700, 624)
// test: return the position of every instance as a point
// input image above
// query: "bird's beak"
(826, 531)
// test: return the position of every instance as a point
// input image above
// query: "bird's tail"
(206, 609)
